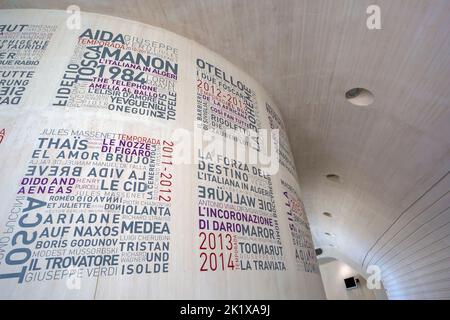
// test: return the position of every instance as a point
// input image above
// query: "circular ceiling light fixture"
(327, 214)
(359, 97)
(333, 177)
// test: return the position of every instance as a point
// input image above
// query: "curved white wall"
(94, 205)
(333, 274)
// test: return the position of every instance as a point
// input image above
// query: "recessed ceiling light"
(359, 97)
(327, 214)
(333, 177)
(329, 234)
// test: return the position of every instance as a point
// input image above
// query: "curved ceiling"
(391, 204)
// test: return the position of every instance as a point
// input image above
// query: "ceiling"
(391, 204)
